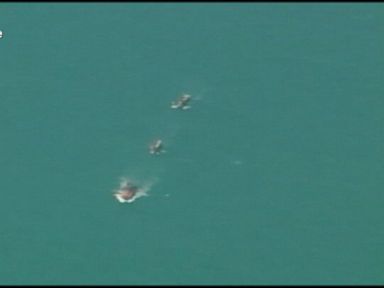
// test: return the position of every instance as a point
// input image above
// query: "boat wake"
(142, 190)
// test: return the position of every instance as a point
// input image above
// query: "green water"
(274, 176)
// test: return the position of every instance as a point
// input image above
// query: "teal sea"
(274, 176)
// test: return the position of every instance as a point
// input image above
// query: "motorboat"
(182, 102)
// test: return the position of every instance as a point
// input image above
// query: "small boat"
(156, 147)
(127, 192)
(182, 102)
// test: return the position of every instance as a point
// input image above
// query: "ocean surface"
(274, 176)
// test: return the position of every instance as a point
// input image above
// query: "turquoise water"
(274, 176)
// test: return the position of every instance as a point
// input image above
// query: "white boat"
(182, 102)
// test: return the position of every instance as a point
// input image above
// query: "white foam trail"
(142, 192)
